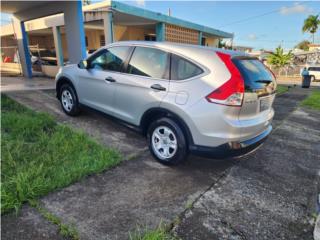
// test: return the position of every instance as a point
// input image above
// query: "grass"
(282, 89)
(157, 234)
(39, 156)
(65, 230)
(313, 101)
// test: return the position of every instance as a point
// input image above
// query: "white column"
(58, 45)
(108, 27)
(73, 20)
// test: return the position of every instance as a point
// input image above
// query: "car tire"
(69, 100)
(166, 140)
(312, 78)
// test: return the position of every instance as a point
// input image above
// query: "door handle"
(110, 79)
(158, 87)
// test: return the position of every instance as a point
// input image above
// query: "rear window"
(255, 74)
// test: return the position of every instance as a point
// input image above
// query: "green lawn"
(39, 156)
(282, 89)
(313, 101)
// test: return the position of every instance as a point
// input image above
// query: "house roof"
(314, 45)
(155, 16)
(120, 7)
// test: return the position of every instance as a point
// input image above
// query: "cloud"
(296, 8)
(252, 36)
(140, 2)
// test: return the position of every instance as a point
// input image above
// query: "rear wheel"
(69, 100)
(167, 142)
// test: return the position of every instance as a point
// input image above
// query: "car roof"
(177, 46)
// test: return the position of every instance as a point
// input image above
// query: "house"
(314, 47)
(51, 36)
(245, 49)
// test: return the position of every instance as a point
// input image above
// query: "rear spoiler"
(243, 57)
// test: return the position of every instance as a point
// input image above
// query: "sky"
(259, 24)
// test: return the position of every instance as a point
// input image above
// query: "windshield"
(255, 74)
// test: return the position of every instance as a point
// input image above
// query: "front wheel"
(167, 142)
(69, 100)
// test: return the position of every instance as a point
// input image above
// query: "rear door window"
(183, 69)
(149, 62)
(255, 74)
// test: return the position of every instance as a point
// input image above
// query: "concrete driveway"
(13, 84)
(269, 194)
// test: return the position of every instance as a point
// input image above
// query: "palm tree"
(279, 59)
(311, 25)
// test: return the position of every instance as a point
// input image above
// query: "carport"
(69, 30)
(24, 11)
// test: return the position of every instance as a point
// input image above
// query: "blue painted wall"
(25, 42)
(81, 30)
(160, 32)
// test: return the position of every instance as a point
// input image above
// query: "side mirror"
(83, 64)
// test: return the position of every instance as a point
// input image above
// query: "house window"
(150, 38)
(102, 41)
(86, 41)
(203, 41)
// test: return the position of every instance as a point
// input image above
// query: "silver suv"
(184, 98)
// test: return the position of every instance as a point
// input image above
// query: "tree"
(223, 44)
(303, 45)
(279, 59)
(311, 24)
(86, 2)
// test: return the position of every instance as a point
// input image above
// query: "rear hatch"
(260, 87)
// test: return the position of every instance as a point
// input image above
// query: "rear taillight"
(231, 92)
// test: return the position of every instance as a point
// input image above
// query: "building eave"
(159, 17)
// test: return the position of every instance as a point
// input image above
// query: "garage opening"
(10, 61)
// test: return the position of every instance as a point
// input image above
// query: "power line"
(249, 18)
(266, 40)
(253, 17)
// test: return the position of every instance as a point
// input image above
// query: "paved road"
(141, 191)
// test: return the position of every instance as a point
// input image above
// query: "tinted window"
(314, 69)
(149, 62)
(111, 59)
(183, 69)
(255, 74)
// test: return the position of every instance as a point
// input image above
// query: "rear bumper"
(231, 149)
